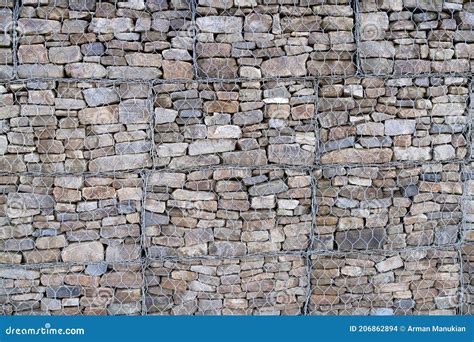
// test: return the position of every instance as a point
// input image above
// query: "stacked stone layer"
(227, 212)
(255, 157)
(407, 283)
(93, 289)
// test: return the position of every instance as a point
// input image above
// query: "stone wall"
(223, 157)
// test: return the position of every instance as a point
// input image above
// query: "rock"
(446, 109)
(18, 273)
(219, 24)
(172, 150)
(389, 264)
(63, 291)
(82, 5)
(363, 239)
(120, 162)
(373, 26)
(85, 70)
(96, 269)
(350, 156)
(227, 249)
(224, 131)
(122, 253)
(247, 118)
(169, 179)
(33, 26)
(163, 115)
(99, 116)
(412, 153)
(177, 70)
(65, 55)
(285, 66)
(245, 158)
(381, 49)
(143, 59)
(444, 152)
(128, 72)
(255, 22)
(114, 25)
(211, 146)
(217, 68)
(291, 154)
(269, 188)
(134, 111)
(100, 96)
(186, 195)
(399, 127)
(83, 252)
(43, 70)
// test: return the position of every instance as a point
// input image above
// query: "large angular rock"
(38, 26)
(352, 156)
(100, 96)
(382, 49)
(83, 252)
(285, 66)
(211, 146)
(227, 249)
(412, 153)
(269, 188)
(363, 239)
(389, 264)
(219, 24)
(115, 25)
(85, 70)
(120, 162)
(399, 127)
(64, 55)
(291, 154)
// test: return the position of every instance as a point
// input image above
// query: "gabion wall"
(278, 157)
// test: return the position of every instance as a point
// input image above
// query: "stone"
(291, 154)
(163, 115)
(350, 156)
(211, 146)
(219, 24)
(389, 264)
(95, 97)
(445, 109)
(177, 70)
(120, 162)
(255, 22)
(376, 49)
(412, 153)
(83, 252)
(269, 188)
(65, 55)
(96, 269)
(99, 116)
(444, 152)
(373, 26)
(18, 273)
(33, 26)
(227, 249)
(285, 66)
(122, 253)
(85, 70)
(361, 239)
(114, 25)
(63, 291)
(399, 127)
